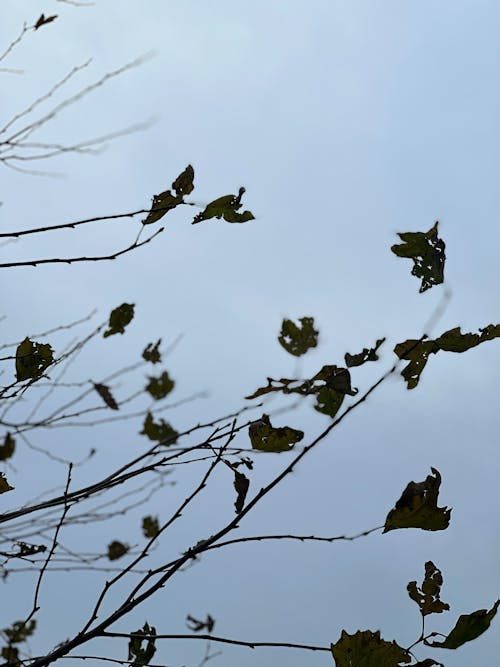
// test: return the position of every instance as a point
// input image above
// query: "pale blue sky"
(346, 122)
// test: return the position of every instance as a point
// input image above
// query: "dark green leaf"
(117, 549)
(455, 341)
(105, 394)
(427, 252)
(364, 356)
(150, 526)
(367, 649)
(468, 627)
(225, 207)
(152, 353)
(119, 318)
(196, 625)
(241, 484)
(417, 507)
(19, 631)
(183, 184)
(43, 20)
(160, 387)
(427, 596)
(32, 359)
(161, 204)
(8, 447)
(266, 438)
(4, 484)
(139, 655)
(298, 340)
(160, 431)
(329, 401)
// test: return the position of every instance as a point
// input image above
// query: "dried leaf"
(196, 625)
(364, 356)
(43, 20)
(427, 252)
(142, 656)
(225, 207)
(152, 353)
(105, 394)
(159, 387)
(427, 596)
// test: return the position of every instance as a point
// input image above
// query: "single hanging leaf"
(44, 20)
(166, 201)
(417, 507)
(427, 252)
(367, 649)
(142, 656)
(152, 353)
(8, 448)
(468, 627)
(105, 394)
(160, 387)
(241, 484)
(32, 359)
(160, 431)
(117, 549)
(298, 340)
(119, 318)
(4, 484)
(225, 207)
(364, 356)
(196, 625)
(183, 184)
(150, 526)
(427, 596)
(266, 438)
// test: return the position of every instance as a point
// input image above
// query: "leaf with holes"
(225, 207)
(368, 649)
(160, 431)
(32, 359)
(142, 656)
(166, 201)
(363, 356)
(427, 596)
(426, 250)
(161, 386)
(297, 340)
(119, 318)
(266, 438)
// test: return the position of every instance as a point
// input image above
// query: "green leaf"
(367, 649)
(105, 394)
(266, 438)
(329, 401)
(183, 184)
(4, 484)
(150, 526)
(427, 596)
(364, 356)
(160, 431)
(468, 627)
(417, 507)
(196, 625)
(19, 631)
(11, 654)
(427, 252)
(159, 387)
(8, 448)
(417, 352)
(166, 201)
(298, 340)
(119, 318)
(117, 549)
(139, 655)
(241, 485)
(32, 359)
(225, 207)
(152, 353)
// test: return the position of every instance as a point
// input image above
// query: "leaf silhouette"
(117, 549)
(32, 359)
(427, 596)
(241, 485)
(166, 201)
(119, 318)
(468, 627)
(426, 250)
(160, 431)
(44, 20)
(4, 484)
(364, 356)
(417, 507)
(8, 448)
(19, 631)
(161, 386)
(142, 656)
(298, 340)
(105, 394)
(152, 353)
(150, 526)
(225, 207)
(367, 649)
(196, 625)
(266, 438)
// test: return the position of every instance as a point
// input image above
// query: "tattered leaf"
(367, 649)
(19, 631)
(426, 250)
(139, 655)
(159, 387)
(298, 340)
(166, 201)
(455, 341)
(225, 207)
(152, 353)
(417, 507)
(43, 20)
(119, 318)
(160, 431)
(4, 484)
(150, 526)
(427, 596)
(183, 184)
(196, 625)
(266, 438)
(117, 549)
(364, 356)
(32, 359)
(241, 484)
(468, 627)
(105, 394)
(8, 448)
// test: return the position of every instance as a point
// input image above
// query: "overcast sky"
(346, 122)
